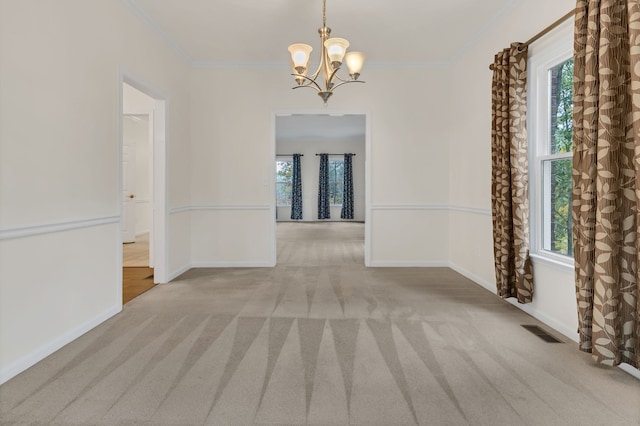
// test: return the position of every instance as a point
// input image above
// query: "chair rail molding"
(48, 228)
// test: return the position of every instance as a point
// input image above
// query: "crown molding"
(482, 32)
(171, 43)
(142, 14)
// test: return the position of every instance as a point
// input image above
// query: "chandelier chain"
(324, 13)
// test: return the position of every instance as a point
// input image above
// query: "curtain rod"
(549, 28)
(338, 154)
(545, 31)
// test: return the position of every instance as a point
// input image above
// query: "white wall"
(471, 249)
(233, 121)
(310, 165)
(59, 166)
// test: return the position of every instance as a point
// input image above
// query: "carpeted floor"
(319, 340)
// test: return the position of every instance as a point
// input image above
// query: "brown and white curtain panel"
(606, 178)
(509, 176)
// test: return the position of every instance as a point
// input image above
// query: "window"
(284, 172)
(551, 145)
(336, 181)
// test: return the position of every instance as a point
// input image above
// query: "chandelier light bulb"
(336, 48)
(300, 54)
(355, 61)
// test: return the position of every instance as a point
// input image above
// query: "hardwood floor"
(136, 254)
(137, 277)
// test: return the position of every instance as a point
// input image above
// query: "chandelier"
(333, 50)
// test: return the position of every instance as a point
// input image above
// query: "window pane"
(557, 205)
(561, 119)
(336, 181)
(284, 172)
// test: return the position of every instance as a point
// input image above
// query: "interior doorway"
(311, 134)
(142, 186)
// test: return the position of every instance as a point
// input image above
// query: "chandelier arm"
(317, 71)
(345, 82)
(310, 84)
(342, 79)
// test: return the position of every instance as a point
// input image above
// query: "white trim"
(571, 333)
(427, 207)
(33, 230)
(285, 65)
(24, 362)
(233, 264)
(408, 264)
(221, 264)
(475, 278)
(437, 207)
(218, 207)
(175, 274)
(180, 209)
(271, 178)
(630, 370)
(551, 322)
(554, 261)
(159, 244)
(472, 210)
(170, 42)
(551, 50)
(432, 207)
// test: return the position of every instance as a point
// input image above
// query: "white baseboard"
(44, 351)
(233, 264)
(175, 274)
(551, 322)
(484, 283)
(221, 264)
(630, 370)
(407, 264)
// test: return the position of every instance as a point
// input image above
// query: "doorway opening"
(310, 134)
(142, 184)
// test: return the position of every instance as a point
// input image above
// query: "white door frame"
(160, 224)
(367, 174)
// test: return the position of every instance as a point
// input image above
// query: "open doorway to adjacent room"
(140, 127)
(305, 238)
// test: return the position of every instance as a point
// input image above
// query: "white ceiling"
(258, 31)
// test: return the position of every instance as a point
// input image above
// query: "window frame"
(548, 52)
(282, 159)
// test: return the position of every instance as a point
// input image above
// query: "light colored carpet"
(319, 340)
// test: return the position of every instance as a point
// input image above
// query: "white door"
(128, 185)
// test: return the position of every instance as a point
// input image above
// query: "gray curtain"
(324, 208)
(296, 189)
(347, 195)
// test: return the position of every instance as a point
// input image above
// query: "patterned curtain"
(296, 190)
(606, 178)
(347, 195)
(324, 208)
(509, 176)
